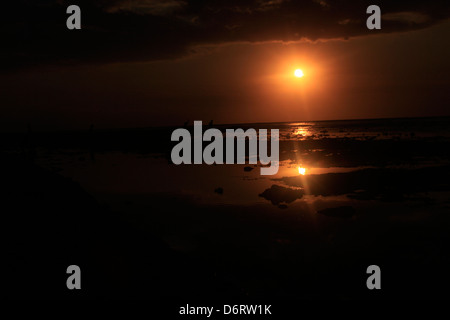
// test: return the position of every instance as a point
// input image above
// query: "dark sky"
(151, 62)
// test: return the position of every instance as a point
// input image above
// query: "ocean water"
(348, 194)
(126, 162)
(366, 129)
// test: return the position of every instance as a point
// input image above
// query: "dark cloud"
(34, 32)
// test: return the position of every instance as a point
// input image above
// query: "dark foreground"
(49, 223)
(307, 237)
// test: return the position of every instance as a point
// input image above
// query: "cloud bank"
(34, 32)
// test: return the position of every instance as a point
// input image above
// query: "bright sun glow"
(298, 73)
(302, 171)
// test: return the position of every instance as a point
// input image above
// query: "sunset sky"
(143, 63)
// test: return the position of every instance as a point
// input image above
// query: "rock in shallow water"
(278, 194)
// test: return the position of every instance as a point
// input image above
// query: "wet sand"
(140, 227)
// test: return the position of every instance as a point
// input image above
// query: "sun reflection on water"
(302, 132)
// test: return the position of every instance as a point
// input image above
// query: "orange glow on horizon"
(295, 86)
(302, 171)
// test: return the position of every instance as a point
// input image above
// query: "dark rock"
(278, 194)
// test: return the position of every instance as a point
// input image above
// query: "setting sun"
(298, 73)
(302, 171)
